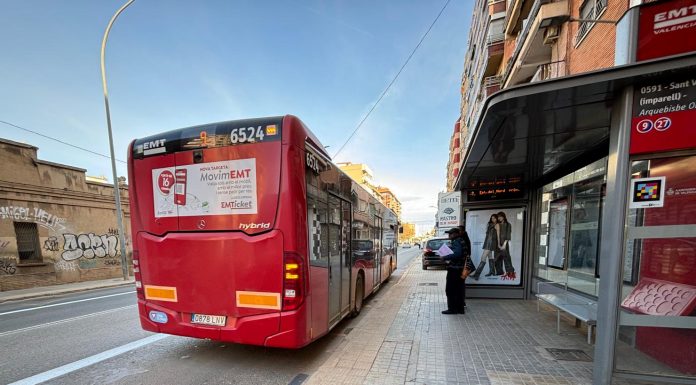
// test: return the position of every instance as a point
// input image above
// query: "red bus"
(244, 231)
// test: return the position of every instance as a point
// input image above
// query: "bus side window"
(317, 218)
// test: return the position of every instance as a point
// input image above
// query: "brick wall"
(23, 281)
(596, 49)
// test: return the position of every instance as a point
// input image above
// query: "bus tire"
(359, 295)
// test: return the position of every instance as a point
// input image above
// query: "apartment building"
(455, 154)
(390, 200)
(362, 174)
(514, 42)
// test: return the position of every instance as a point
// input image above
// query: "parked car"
(430, 256)
(406, 245)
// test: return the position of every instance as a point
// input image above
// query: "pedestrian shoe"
(463, 311)
(449, 312)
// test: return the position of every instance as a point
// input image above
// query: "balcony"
(491, 84)
(516, 13)
(496, 46)
(535, 40)
(496, 6)
(550, 71)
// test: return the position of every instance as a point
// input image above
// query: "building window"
(28, 246)
(590, 10)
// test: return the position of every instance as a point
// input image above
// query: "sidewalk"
(404, 339)
(48, 291)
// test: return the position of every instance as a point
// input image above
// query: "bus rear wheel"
(359, 294)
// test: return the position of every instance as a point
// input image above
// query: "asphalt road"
(94, 337)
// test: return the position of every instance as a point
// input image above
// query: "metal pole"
(117, 190)
(611, 249)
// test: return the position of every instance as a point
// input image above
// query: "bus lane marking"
(64, 303)
(3, 334)
(88, 361)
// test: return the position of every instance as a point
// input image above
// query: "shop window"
(28, 246)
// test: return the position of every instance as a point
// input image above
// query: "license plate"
(206, 319)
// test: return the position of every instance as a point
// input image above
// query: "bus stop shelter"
(626, 117)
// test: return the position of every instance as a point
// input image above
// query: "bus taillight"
(138, 277)
(293, 281)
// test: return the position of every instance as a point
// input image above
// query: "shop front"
(605, 206)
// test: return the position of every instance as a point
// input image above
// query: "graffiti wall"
(89, 246)
(36, 215)
(71, 245)
(57, 224)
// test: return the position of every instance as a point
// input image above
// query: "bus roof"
(215, 135)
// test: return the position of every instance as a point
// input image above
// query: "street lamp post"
(117, 190)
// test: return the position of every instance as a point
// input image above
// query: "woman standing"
(504, 237)
(490, 244)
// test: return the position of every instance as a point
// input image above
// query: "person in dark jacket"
(454, 287)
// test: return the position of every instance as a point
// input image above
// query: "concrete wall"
(76, 221)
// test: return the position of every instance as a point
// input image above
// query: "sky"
(173, 64)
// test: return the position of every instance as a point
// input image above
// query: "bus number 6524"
(246, 135)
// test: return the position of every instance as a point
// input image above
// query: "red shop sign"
(666, 28)
(664, 114)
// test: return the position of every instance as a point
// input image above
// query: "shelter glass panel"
(657, 323)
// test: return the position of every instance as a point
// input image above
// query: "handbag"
(468, 267)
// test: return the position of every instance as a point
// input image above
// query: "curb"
(54, 293)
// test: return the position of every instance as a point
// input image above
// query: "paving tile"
(403, 339)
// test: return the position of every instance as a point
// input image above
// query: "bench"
(556, 295)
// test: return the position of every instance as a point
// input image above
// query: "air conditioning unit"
(551, 34)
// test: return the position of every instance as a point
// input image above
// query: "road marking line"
(85, 362)
(65, 303)
(65, 320)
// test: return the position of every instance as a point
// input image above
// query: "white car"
(406, 245)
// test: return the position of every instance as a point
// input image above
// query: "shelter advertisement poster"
(216, 188)
(496, 265)
(448, 210)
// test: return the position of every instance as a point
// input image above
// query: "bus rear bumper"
(282, 330)
(294, 330)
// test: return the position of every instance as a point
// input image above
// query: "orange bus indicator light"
(258, 300)
(204, 138)
(292, 276)
(161, 293)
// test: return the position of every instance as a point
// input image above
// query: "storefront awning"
(539, 129)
